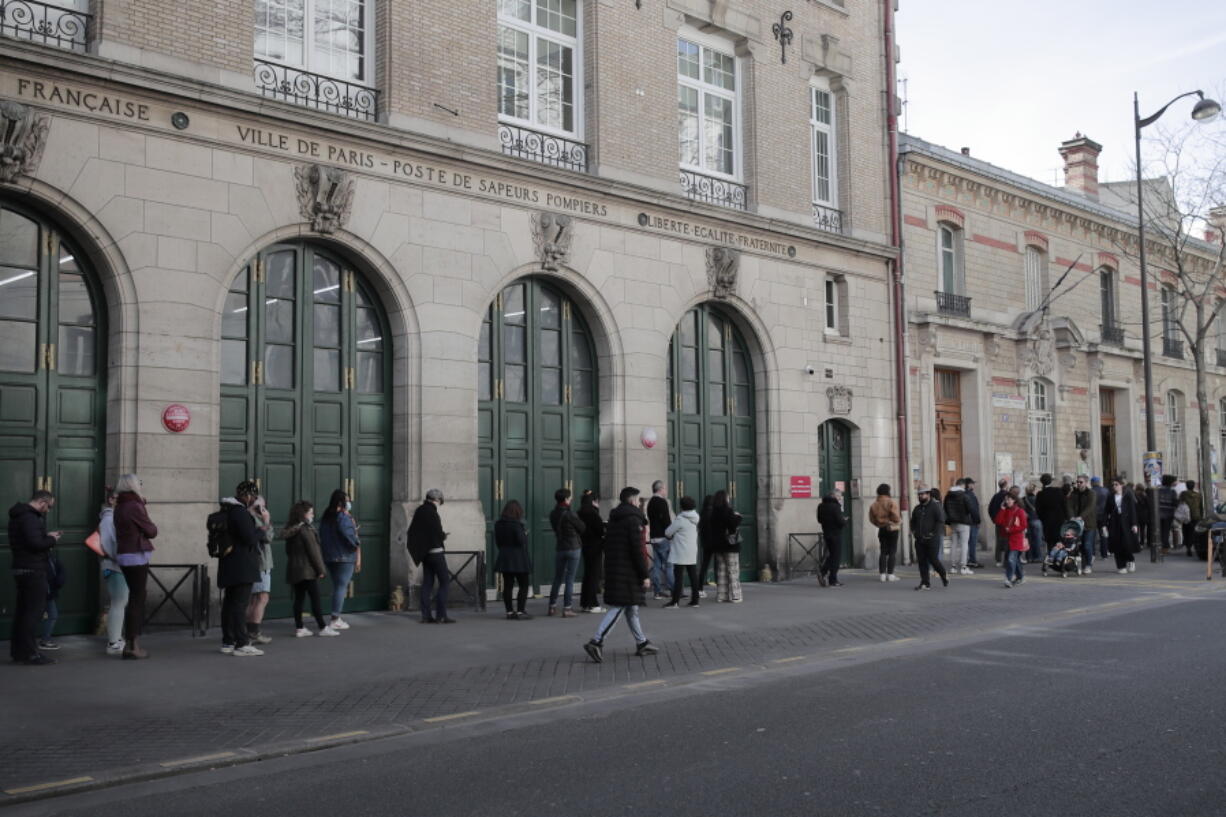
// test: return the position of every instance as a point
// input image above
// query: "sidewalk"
(95, 719)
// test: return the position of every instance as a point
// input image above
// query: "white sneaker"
(1132, 567)
(338, 624)
(227, 649)
(1123, 570)
(702, 594)
(248, 650)
(966, 571)
(884, 578)
(301, 632)
(892, 577)
(598, 609)
(1008, 583)
(327, 631)
(116, 647)
(1088, 571)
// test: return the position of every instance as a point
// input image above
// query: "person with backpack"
(262, 589)
(134, 532)
(1193, 506)
(338, 539)
(112, 575)
(958, 517)
(304, 567)
(233, 537)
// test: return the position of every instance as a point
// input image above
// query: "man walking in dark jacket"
(1167, 500)
(568, 528)
(1049, 502)
(972, 500)
(238, 570)
(928, 528)
(832, 519)
(958, 516)
(659, 517)
(625, 576)
(29, 544)
(426, 537)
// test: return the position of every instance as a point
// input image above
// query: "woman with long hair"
(593, 552)
(339, 542)
(513, 561)
(706, 542)
(304, 567)
(134, 535)
(722, 533)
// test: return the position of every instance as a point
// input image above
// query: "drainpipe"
(895, 265)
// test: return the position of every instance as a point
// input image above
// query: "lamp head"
(1205, 108)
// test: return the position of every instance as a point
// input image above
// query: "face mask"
(310, 518)
(348, 506)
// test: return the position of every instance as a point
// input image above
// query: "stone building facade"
(1024, 304)
(384, 247)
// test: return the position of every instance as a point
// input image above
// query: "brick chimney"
(1080, 156)
(1216, 230)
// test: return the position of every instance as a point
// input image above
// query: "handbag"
(734, 540)
(94, 543)
(1183, 514)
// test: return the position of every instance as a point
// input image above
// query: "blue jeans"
(970, 545)
(565, 566)
(1013, 566)
(117, 589)
(434, 569)
(342, 574)
(1034, 531)
(610, 618)
(661, 575)
(53, 615)
(1088, 537)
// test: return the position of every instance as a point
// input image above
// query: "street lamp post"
(1204, 109)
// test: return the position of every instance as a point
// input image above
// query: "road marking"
(720, 671)
(789, 660)
(555, 700)
(851, 649)
(452, 717)
(903, 640)
(338, 736)
(170, 764)
(45, 786)
(642, 684)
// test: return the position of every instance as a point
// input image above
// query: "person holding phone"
(29, 544)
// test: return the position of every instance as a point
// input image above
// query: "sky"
(1012, 81)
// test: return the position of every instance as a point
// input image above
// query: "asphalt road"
(1114, 714)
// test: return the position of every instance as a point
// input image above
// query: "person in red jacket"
(1011, 521)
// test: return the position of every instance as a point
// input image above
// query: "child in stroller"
(1064, 556)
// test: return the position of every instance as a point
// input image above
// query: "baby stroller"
(1065, 556)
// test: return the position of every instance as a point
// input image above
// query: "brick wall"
(218, 33)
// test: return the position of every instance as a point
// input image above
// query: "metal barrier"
(472, 564)
(190, 588)
(804, 555)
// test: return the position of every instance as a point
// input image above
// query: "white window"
(707, 106)
(950, 259)
(539, 64)
(1036, 274)
(329, 37)
(1107, 295)
(1042, 437)
(1170, 325)
(822, 127)
(1176, 457)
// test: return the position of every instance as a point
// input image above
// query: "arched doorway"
(306, 398)
(52, 398)
(711, 434)
(537, 417)
(834, 447)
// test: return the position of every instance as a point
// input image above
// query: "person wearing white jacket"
(683, 552)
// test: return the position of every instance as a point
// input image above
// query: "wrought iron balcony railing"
(316, 90)
(828, 218)
(525, 143)
(1221, 357)
(1172, 347)
(45, 23)
(957, 305)
(1113, 334)
(714, 191)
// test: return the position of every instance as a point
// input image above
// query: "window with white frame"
(1108, 294)
(834, 308)
(822, 128)
(1042, 431)
(329, 37)
(951, 278)
(707, 107)
(539, 64)
(1176, 456)
(1036, 274)
(1170, 324)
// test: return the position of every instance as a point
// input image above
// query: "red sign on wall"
(176, 417)
(802, 487)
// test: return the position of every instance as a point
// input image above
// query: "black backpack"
(220, 541)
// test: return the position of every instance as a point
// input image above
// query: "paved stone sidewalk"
(99, 717)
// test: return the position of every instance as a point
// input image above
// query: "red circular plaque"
(176, 417)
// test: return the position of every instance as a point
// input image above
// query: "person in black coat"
(514, 561)
(425, 542)
(832, 519)
(928, 529)
(593, 553)
(626, 577)
(1122, 526)
(1051, 507)
(238, 570)
(29, 545)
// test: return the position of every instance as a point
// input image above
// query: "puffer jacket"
(883, 513)
(242, 564)
(28, 539)
(303, 559)
(625, 564)
(683, 533)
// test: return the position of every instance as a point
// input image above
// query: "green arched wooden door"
(52, 400)
(834, 444)
(305, 400)
(711, 436)
(537, 416)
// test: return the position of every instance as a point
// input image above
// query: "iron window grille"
(955, 305)
(525, 143)
(46, 23)
(712, 190)
(316, 90)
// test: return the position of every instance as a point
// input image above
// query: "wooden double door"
(52, 400)
(305, 400)
(949, 427)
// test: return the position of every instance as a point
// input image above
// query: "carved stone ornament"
(1040, 352)
(840, 399)
(991, 347)
(1068, 360)
(1096, 367)
(552, 234)
(23, 135)
(325, 196)
(723, 264)
(928, 339)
